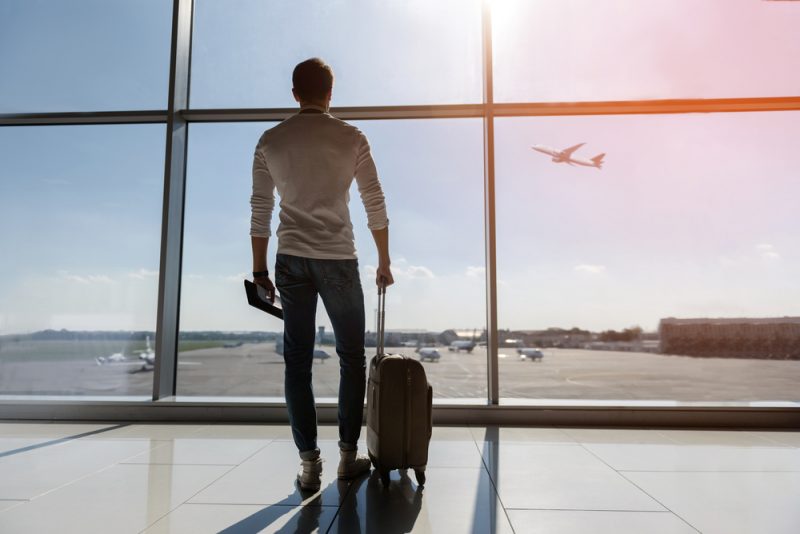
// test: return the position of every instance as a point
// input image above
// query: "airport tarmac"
(255, 369)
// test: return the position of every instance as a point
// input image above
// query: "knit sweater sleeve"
(262, 201)
(366, 175)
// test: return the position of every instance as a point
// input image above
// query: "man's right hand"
(266, 283)
(383, 276)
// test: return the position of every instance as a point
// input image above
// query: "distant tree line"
(629, 334)
(139, 335)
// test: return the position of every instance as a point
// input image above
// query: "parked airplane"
(117, 357)
(148, 354)
(565, 156)
(147, 358)
(146, 361)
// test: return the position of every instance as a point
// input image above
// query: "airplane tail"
(598, 160)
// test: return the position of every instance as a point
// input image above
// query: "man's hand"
(266, 283)
(383, 276)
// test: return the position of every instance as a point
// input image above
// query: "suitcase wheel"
(385, 477)
(420, 474)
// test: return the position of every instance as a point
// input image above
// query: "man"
(312, 158)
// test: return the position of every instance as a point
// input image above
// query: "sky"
(692, 215)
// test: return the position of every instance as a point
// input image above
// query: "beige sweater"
(312, 158)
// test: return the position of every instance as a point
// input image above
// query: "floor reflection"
(485, 514)
(392, 510)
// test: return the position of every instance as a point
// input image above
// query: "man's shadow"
(391, 510)
(305, 519)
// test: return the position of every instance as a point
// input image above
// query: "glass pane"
(435, 207)
(84, 55)
(80, 211)
(690, 217)
(389, 52)
(590, 50)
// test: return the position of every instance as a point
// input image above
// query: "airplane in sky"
(565, 156)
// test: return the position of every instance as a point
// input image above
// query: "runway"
(254, 369)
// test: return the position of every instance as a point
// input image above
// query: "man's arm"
(372, 196)
(262, 202)
(383, 277)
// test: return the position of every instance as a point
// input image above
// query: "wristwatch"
(259, 274)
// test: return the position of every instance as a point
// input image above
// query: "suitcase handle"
(381, 318)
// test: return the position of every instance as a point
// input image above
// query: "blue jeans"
(299, 281)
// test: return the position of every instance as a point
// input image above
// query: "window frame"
(177, 118)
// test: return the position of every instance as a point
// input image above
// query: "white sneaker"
(308, 478)
(353, 465)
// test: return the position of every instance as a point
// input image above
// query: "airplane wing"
(567, 152)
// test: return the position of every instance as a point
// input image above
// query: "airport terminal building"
(768, 338)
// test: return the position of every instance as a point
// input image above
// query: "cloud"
(141, 274)
(410, 272)
(590, 269)
(236, 277)
(415, 271)
(86, 279)
(476, 271)
(767, 251)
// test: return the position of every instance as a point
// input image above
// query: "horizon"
(692, 215)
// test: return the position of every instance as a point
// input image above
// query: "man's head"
(312, 82)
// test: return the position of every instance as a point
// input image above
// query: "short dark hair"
(312, 79)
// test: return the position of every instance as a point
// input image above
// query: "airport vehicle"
(458, 346)
(565, 156)
(428, 353)
(233, 344)
(320, 354)
(531, 354)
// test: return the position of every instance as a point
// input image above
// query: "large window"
(691, 216)
(667, 275)
(588, 50)
(228, 348)
(390, 52)
(83, 55)
(80, 210)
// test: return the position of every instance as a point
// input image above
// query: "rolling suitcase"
(399, 417)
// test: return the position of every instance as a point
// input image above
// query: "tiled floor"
(86, 478)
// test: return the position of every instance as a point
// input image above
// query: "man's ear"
(294, 94)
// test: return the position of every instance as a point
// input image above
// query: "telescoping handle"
(381, 317)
